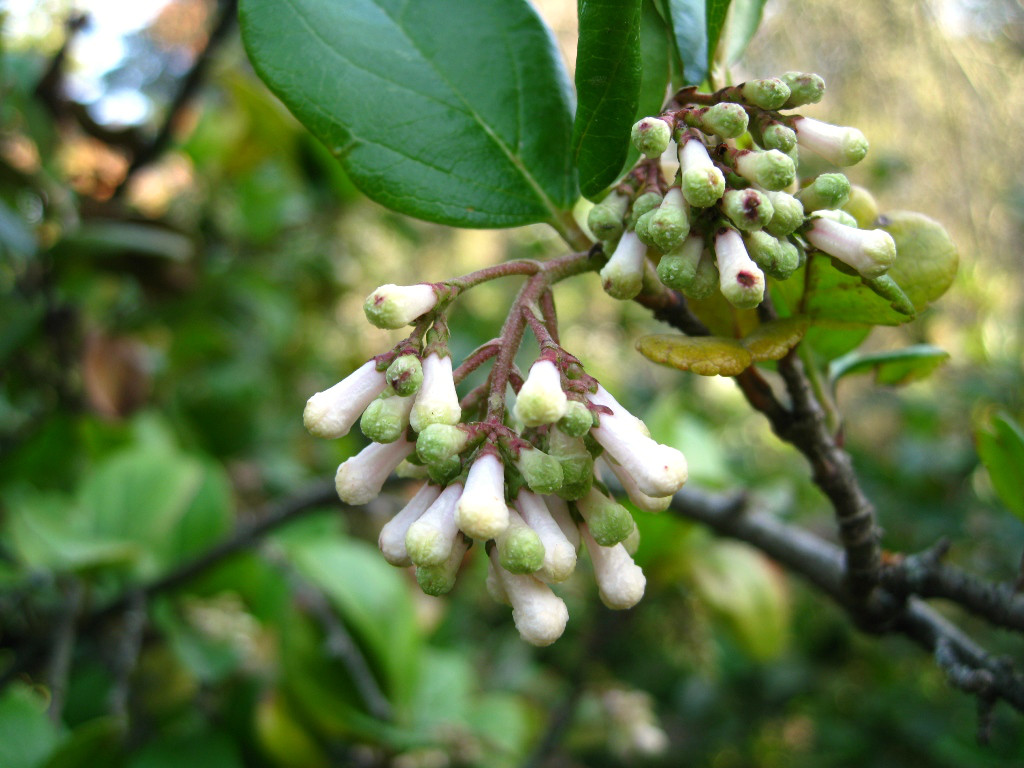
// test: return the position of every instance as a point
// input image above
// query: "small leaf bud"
(871, 252)
(519, 547)
(481, 512)
(439, 442)
(669, 223)
(622, 277)
(770, 169)
(702, 183)
(829, 190)
(429, 540)
(577, 420)
(608, 522)
(620, 581)
(740, 280)
(767, 93)
(542, 472)
(392, 306)
(726, 120)
(437, 580)
(436, 401)
(804, 88)
(606, 219)
(787, 214)
(748, 209)
(651, 136)
(405, 375)
(332, 413)
(839, 145)
(541, 399)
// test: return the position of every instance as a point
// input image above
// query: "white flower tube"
(392, 306)
(541, 399)
(640, 499)
(494, 586)
(437, 401)
(481, 513)
(392, 536)
(620, 581)
(839, 145)
(870, 251)
(740, 279)
(539, 614)
(659, 470)
(361, 478)
(623, 276)
(332, 413)
(559, 553)
(560, 513)
(429, 540)
(702, 183)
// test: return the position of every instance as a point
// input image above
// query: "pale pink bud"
(559, 552)
(437, 401)
(620, 581)
(541, 399)
(332, 413)
(539, 614)
(392, 306)
(429, 540)
(839, 145)
(361, 478)
(481, 513)
(392, 536)
(640, 499)
(870, 251)
(740, 279)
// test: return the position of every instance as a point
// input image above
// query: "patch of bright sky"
(99, 48)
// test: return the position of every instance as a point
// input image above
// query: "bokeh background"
(162, 324)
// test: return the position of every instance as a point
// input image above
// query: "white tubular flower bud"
(392, 536)
(839, 145)
(620, 581)
(559, 553)
(640, 499)
(539, 614)
(392, 306)
(429, 540)
(437, 401)
(702, 182)
(659, 470)
(870, 251)
(740, 279)
(605, 398)
(481, 513)
(623, 276)
(361, 478)
(494, 586)
(332, 413)
(541, 399)
(560, 513)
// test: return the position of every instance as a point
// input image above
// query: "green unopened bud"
(576, 463)
(669, 223)
(862, 207)
(386, 418)
(770, 169)
(405, 375)
(787, 214)
(839, 145)
(778, 259)
(648, 201)
(439, 580)
(520, 549)
(608, 522)
(778, 136)
(443, 472)
(702, 183)
(392, 306)
(542, 473)
(829, 190)
(804, 88)
(889, 290)
(439, 442)
(606, 219)
(768, 93)
(651, 136)
(678, 267)
(577, 420)
(642, 228)
(726, 120)
(748, 209)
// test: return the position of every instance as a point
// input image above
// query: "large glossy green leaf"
(691, 35)
(453, 111)
(26, 734)
(608, 75)
(657, 53)
(1001, 448)
(900, 366)
(744, 19)
(715, 13)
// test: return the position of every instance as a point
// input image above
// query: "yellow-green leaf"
(705, 355)
(927, 260)
(772, 340)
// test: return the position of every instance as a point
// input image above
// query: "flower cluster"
(735, 211)
(531, 494)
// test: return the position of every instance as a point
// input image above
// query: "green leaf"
(900, 366)
(744, 19)
(705, 355)
(26, 734)
(454, 111)
(202, 750)
(608, 77)
(831, 295)
(96, 742)
(715, 13)
(926, 258)
(773, 339)
(1001, 449)
(656, 52)
(691, 36)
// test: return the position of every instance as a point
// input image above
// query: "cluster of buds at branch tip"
(738, 158)
(529, 497)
